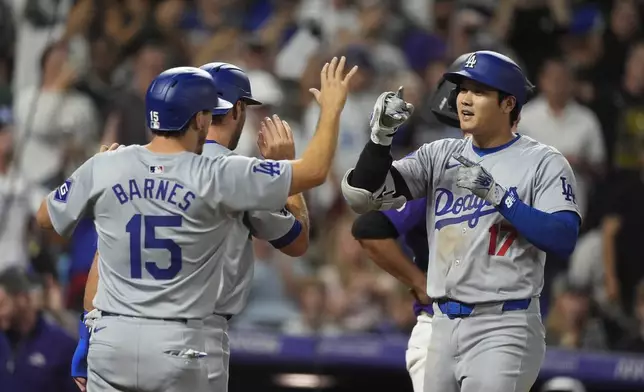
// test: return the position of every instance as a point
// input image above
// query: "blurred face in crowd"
(556, 83)
(313, 299)
(372, 17)
(55, 61)
(434, 73)
(7, 309)
(150, 62)
(635, 67)
(479, 110)
(624, 18)
(13, 308)
(361, 81)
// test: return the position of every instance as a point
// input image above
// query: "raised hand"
(275, 139)
(389, 113)
(334, 85)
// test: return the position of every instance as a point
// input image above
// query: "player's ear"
(203, 120)
(508, 104)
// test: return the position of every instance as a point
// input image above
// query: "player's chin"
(468, 124)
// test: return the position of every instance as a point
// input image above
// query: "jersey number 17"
(500, 232)
(149, 224)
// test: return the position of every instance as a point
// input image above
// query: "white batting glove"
(389, 113)
(474, 177)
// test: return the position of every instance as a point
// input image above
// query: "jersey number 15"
(149, 224)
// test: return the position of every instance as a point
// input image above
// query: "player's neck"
(167, 145)
(219, 135)
(492, 140)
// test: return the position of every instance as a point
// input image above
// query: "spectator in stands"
(570, 323)
(313, 318)
(622, 228)
(55, 125)
(635, 342)
(34, 353)
(556, 119)
(400, 315)
(619, 109)
(19, 201)
(125, 123)
(623, 28)
(356, 289)
(271, 301)
(354, 124)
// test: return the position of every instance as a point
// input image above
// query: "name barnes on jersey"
(165, 190)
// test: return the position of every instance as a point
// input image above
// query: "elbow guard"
(362, 201)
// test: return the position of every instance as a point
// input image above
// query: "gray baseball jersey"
(162, 222)
(279, 228)
(475, 255)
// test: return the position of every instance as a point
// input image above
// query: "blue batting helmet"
(232, 83)
(177, 94)
(494, 70)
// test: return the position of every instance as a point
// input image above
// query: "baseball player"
(497, 202)
(162, 214)
(377, 232)
(286, 229)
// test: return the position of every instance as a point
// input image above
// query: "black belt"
(172, 320)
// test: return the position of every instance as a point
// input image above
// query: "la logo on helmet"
(470, 62)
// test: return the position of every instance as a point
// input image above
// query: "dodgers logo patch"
(62, 192)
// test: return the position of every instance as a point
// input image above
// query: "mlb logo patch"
(62, 192)
(156, 169)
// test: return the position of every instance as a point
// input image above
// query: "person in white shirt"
(556, 119)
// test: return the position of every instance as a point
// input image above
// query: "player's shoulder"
(212, 149)
(536, 151)
(446, 146)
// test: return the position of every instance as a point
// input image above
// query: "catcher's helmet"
(494, 70)
(177, 94)
(232, 84)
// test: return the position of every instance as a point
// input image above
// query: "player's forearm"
(386, 253)
(372, 168)
(91, 285)
(296, 205)
(313, 168)
(553, 233)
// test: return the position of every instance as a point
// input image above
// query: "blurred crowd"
(73, 74)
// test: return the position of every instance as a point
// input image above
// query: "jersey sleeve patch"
(62, 192)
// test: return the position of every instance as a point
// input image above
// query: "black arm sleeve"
(372, 168)
(373, 225)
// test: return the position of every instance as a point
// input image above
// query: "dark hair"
(218, 119)
(15, 281)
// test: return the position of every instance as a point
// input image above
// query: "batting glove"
(389, 113)
(479, 181)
